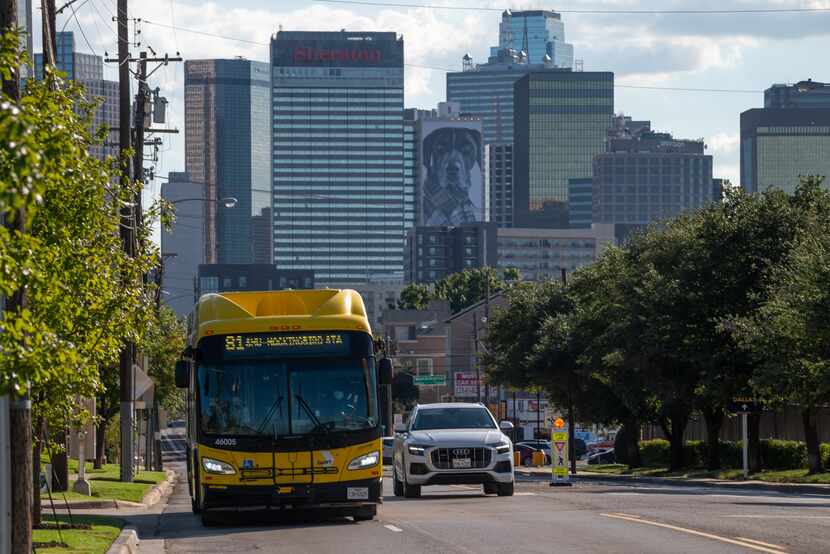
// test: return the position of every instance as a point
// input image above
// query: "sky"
(738, 52)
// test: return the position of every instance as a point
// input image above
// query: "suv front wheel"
(505, 489)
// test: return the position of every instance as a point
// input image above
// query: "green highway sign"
(421, 380)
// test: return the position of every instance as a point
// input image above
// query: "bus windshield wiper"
(318, 426)
(271, 411)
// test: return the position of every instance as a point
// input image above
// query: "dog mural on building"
(452, 160)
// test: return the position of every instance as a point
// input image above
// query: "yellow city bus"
(283, 409)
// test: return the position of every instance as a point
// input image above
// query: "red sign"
(303, 54)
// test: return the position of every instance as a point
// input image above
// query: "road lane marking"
(394, 529)
(524, 494)
(762, 543)
(637, 519)
(761, 516)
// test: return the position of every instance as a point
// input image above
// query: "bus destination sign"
(262, 345)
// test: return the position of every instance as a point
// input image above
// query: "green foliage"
(163, 344)
(461, 290)
(780, 454)
(824, 449)
(415, 296)
(84, 296)
(655, 452)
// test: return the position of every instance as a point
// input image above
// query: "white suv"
(452, 444)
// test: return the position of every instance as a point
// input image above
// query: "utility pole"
(478, 365)
(571, 423)
(48, 18)
(21, 482)
(128, 223)
(486, 322)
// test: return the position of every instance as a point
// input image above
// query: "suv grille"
(442, 458)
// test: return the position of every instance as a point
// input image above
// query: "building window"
(243, 281)
(227, 283)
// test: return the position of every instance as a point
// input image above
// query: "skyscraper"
(646, 176)
(340, 200)
(538, 33)
(788, 138)
(561, 121)
(181, 244)
(486, 90)
(228, 150)
(88, 70)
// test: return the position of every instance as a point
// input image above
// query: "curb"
(126, 542)
(157, 492)
(787, 488)
(151, 498)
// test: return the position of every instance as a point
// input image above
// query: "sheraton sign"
(355, 55)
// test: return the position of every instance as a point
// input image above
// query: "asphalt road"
(459, 519)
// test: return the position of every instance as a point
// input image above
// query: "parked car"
(605, 456)
(526, 453)
(542, 445)
(449, 444)
(388, 449)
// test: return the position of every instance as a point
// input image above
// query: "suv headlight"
(215, 466)
(417, 450)
(365, 461)
(501, 447)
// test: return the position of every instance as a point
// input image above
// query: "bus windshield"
(273, 398)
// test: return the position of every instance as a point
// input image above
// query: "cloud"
(724, 143)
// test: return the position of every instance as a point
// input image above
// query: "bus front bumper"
(344, 494)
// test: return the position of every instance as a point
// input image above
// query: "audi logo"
(461, 451)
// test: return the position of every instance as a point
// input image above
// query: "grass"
(769, 476)
(106, 485)
(80, 541)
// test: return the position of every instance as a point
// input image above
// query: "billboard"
(466, 384)
(452, 177)
(337, 50)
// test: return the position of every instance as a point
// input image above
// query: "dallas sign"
(355, 55)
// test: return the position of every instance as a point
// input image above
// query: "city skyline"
(737, 52)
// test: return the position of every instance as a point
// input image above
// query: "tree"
(790, 333)
(85, 297)
(404, 391)
(163, 344)
(465, 288)
(415, 296)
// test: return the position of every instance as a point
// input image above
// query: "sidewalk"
(627, 480)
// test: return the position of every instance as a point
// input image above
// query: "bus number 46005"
(225, 442)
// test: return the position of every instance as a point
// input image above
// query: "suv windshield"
(453, 418)
(275, 398)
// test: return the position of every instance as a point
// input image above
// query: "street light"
(228, 202)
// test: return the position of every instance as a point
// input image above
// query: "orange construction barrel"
(517, 459)
(538, 458)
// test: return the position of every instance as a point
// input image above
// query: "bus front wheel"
(366, 513)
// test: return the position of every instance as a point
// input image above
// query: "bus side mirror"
(182, 374)
(385, 371)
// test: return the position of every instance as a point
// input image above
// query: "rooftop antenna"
(579, 64)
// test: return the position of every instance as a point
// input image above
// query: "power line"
(449, 70)
(747, 11)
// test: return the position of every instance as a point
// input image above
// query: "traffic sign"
(422, 380)
(559, 453)
(744, 405)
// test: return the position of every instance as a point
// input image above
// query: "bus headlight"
(365, 461)
(215, 466)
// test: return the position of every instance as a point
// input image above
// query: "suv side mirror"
(400, 427)
(506, 425)
(182, 374)
(385, 371)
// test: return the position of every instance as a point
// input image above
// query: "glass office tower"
(561, 121)
(228, 150)
(340, 199)
(538, 33)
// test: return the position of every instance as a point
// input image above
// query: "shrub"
(694, 453)
(779, 454)
(655, 452)
(824, 449)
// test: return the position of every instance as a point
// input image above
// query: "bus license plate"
(357, 493)
(461, 463)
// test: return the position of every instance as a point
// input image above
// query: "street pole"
(745, 437)
(487, 322)
(128, 223)
(478, 365)
(20, 483)
(571, 423)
